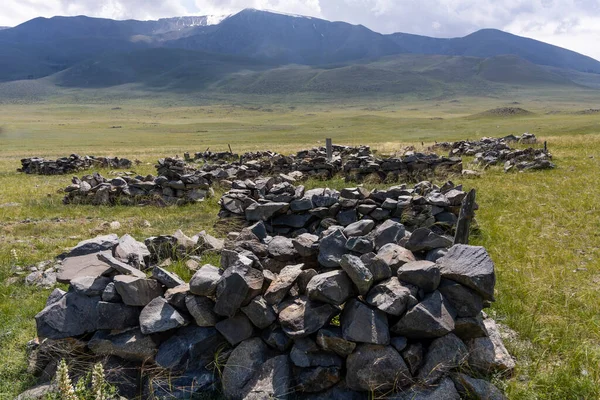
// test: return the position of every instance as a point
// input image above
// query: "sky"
(573, 24)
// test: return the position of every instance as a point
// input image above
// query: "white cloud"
(573, 24)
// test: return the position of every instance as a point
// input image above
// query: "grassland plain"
(540, 228)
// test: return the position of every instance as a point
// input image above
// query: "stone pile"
(138, 190)
(66, 165)
(470, 148)
(412, 166)
(292, 210)
(333, 320)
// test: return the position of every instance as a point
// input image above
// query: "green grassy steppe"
(540, 228)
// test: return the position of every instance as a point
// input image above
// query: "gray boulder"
(204, 281)
(235, 329)
(378, 267)
(430, 318)
(395, 256)
(444, 355)
(306, 244)
(333, 287)
(359, 274)
(264, 212)
(470, 266)
(330, 339)
(272, 380)
(238, 285)
(190, 347)
(376, 368)
(360, 244)
(444, 390)
(110, 294)
(260, 313)
(137, 291)
(301, 317)
(160, 316)
(280, 287)
(488, 354)
(388, 232)
(120, 266)
(282, 249)
(356, 316)
(332, 248)
(176, 297)
(116, 316)
(72, 315)
(202, 310)
(316, 379)
(413, 355)
(90, 285)
(130, 249)
(470, 327)
(359, 228)
(130, 345)
(167, 278)
(243, 363)
(86, 265)
(305, 353)
(423, 239)
(423, 274)
(95, 245)
(390, 296)
(463, 300)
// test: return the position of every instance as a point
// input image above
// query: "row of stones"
(73, 163)
(291, 210)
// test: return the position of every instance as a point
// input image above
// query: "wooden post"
(545, 146)
(329, 148)
(230, 152)
(466, 215)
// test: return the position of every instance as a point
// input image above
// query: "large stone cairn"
(292, 210)
(493, 151)
(357, 309)
(139, 190)
(73, 163)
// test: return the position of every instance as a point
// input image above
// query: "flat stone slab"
(86, 265)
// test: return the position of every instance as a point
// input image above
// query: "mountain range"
(265, 52)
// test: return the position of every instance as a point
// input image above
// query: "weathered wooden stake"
(329, 148)
(228, 145)
(466, 215)
(545, 146)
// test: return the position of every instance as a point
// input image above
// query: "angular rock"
(389, 296)
(55, 296)
(399, 343)
(235, 329)
(332, 248)
(137, 291)
(356, 316)
(176, 297)
(488, 354)
(130, 345)
(168, 279)
(444, 355)
(330, 339)
(463, 300)
(95, 245)
(423, 239)
(301, 317)
(272, 380)
(378, 267)
(243, 363)
(430, 318)
(86, 265)
(190, 347)
(279, 288)
(282, 249)
(470, 266)
(276, 338)
(72, 315)
(160, 316)
(120, 266)
(395, 256)
(306, 245)
(360, 244)
(264, 212)
(204, 281)
(359, 274)
(260, 313)
(470, 328)
(116, 316)
(476, 388)
(376, 368)
(305, 353)
(110, 294)
(334, 287)
(130, 249)
(90, 285)
(206, 242)
(238, 285)
(388, 232)
(413, 355)
(423, 274)
(190, 384)
(359, 228)
(201, 309)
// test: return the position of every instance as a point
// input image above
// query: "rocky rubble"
(67, 165)
(292, 210)
(493, 151)
(352, 309)
(138, 190)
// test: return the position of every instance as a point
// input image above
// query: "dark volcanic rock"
(333, 287)
(444, 354)
(116, 316)
(301, 317)
(332, 248)
(72, 315)
(389, 296)
(470, 266)
(190, 346)
(305, 353)
(160, 316)
(423, 239)
(423, 274)
(243, 363)
(137, 291)
(202, 310)
(317, 379)
(395, 256)
(476, 388)
(204, 282)
(238, 285)
(279, 288)
(376, 368)
(356, 316)
(429, 319)
(235, 329)
(259, 312)
(167, 278)
(463, 300)
(330, 339)
(359, 274)
(130, 345)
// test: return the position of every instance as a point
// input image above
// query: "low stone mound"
(138, 190)
(327, 321)
(73, 163)
(504, 112)
(292, 210)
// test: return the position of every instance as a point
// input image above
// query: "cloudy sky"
(573, 24)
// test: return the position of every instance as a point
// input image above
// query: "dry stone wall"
(67, 165)
(345, 309)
